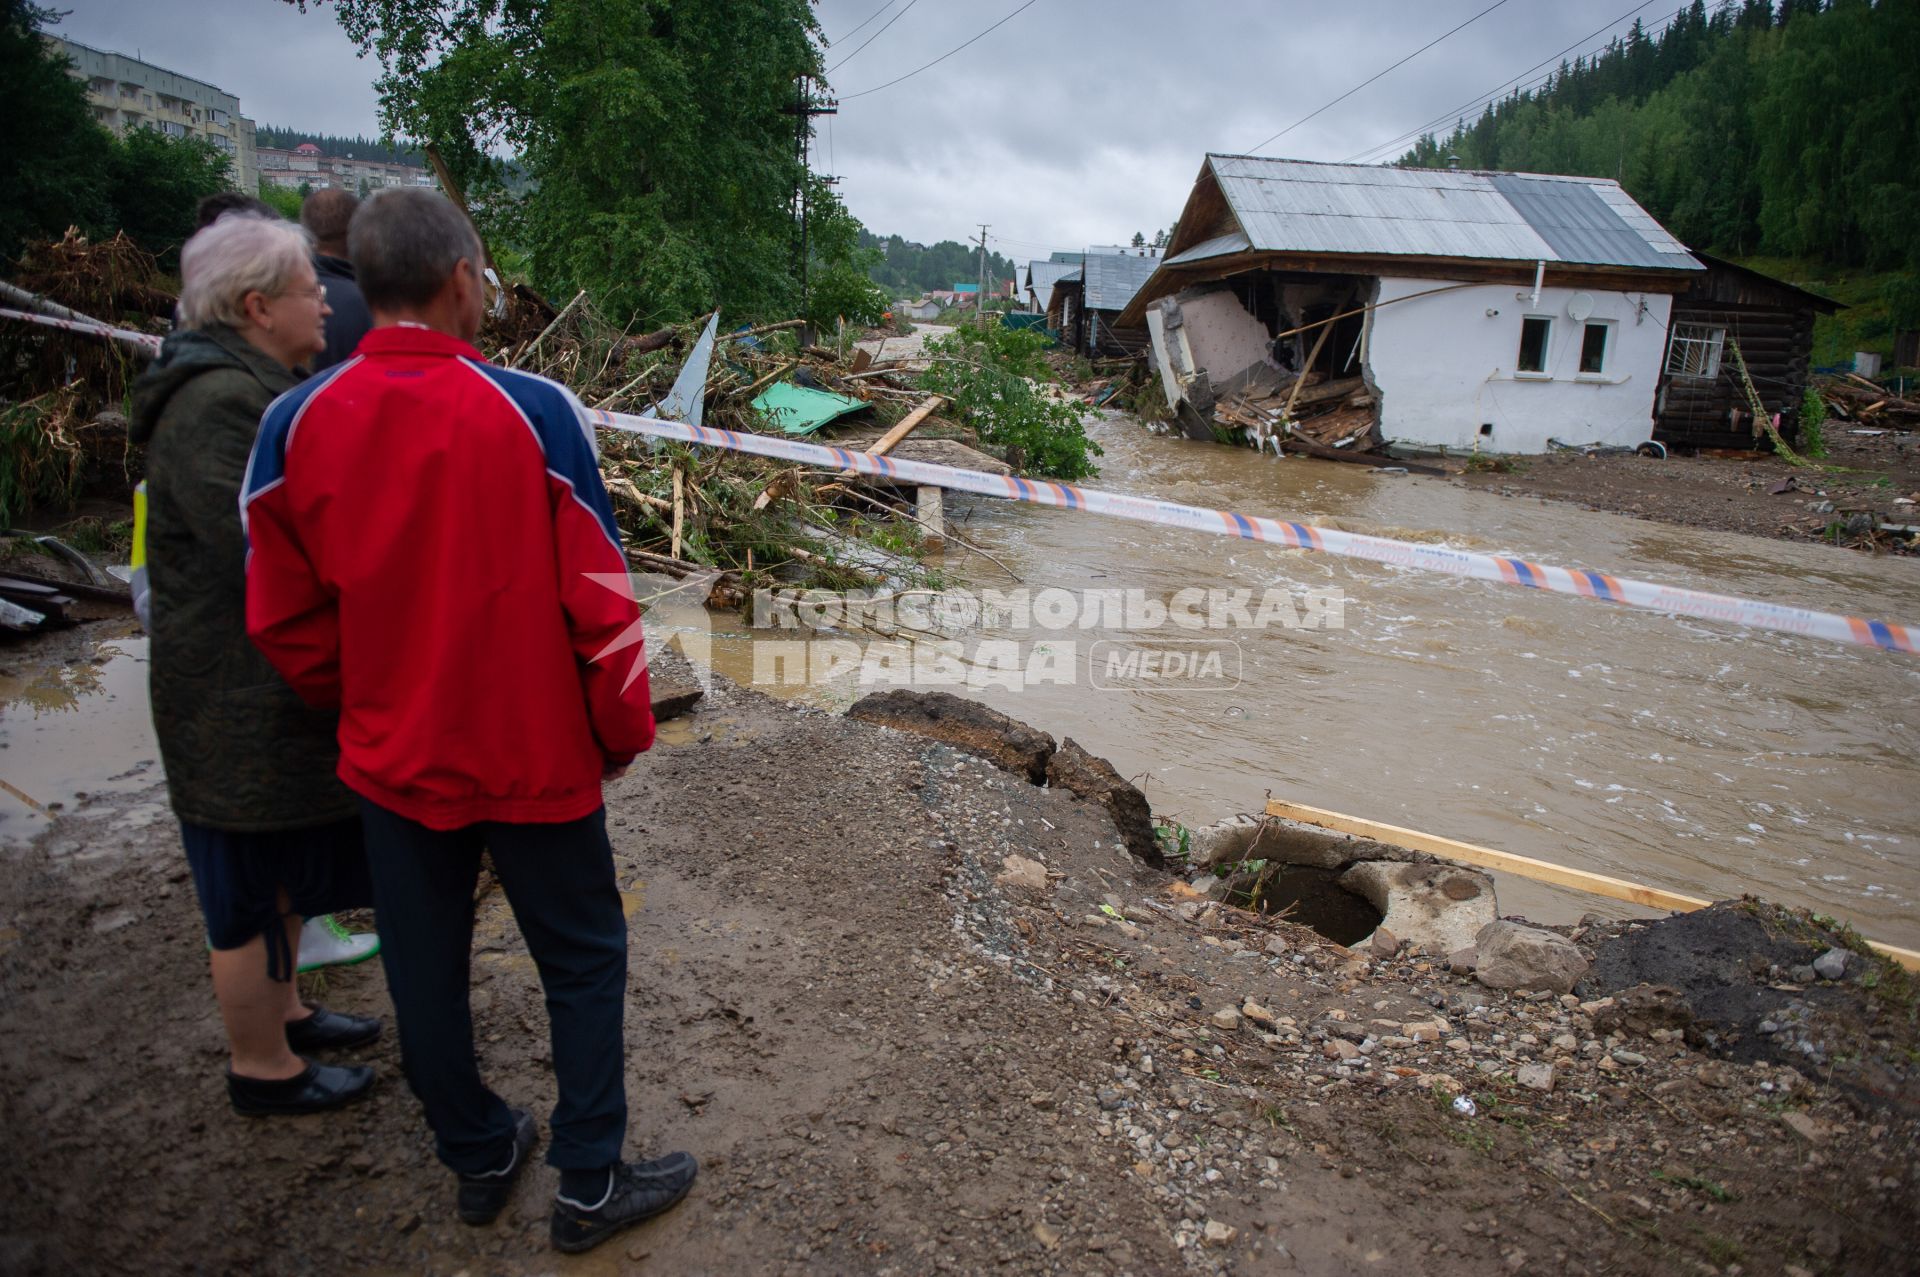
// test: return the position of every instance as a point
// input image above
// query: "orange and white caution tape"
(1671, 599)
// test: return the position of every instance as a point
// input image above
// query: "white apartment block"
(126, 93)
(306, 166)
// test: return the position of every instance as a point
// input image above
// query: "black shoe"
(483, 1197)
(321, 1087)
(326, 1030)
(640, 1190)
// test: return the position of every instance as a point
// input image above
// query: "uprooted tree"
(653, 140)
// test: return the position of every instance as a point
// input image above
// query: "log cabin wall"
(1773, 323)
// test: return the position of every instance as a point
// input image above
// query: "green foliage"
(53, 157)
(1742, 134)
(907, 269)
(839, 285)
(284, 202)
(659, 163)
(154, 183)
(1813, 418)
(992, 375)
(40, 461)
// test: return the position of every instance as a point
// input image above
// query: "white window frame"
(1694, 351)
(1606, 353)
(1545, 371)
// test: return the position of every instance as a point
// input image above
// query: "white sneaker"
(325, 943)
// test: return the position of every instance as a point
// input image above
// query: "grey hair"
(405, 243)
(240, 253)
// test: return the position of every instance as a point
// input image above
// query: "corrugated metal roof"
(1112, 279)
(1301, 207)
(1219, 246)
(1041, 274)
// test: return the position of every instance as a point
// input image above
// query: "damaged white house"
(1433, 308)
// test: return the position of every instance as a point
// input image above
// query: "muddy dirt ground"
(1865, 480)
(891, 1061)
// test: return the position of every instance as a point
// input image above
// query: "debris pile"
(1852, 398)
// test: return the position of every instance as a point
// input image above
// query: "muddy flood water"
(1700, 758)
(1705, 759)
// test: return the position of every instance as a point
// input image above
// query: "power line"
(1369, 80)
(1489, 95)
(949, 53)
(870, 39)
(870, 17)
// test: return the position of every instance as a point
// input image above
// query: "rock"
(1047, 1235)
(1463, 961)
(1384, 943)
(1831, 965)
(1276, 946)
(1437, 906)
(1633, 1058)
(1018, 871)
(1226, 1019)
(1258, 1014)
(1223, 842)
(1421, 1031)
(1535, 1077)
(1811, 1129)
(1007, 743)
(1073, 769)
(1512, 956)
(1218, 1234)
(1340, 1049)
(672, 700)
(1644, 1009)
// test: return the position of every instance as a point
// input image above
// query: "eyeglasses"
(318, 292)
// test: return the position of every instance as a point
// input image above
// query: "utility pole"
(980, 303)
(805, 107)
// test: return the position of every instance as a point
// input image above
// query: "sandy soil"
(1860, 485)
(890, 1061)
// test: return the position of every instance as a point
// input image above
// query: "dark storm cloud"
(1077, 122)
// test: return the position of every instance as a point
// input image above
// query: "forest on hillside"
(1747, 129)
(907, 269)
(346, 148)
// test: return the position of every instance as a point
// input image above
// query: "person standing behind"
(270, 834)
(433, 551)
(327, 214)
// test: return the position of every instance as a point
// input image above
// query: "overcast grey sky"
(1077, 122)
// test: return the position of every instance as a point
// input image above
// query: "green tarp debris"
(798, 410)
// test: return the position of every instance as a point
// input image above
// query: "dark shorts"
(238, 877)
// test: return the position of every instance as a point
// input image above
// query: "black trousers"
(559, 880)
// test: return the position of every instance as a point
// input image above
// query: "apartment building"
(305, 165)
(126, 93)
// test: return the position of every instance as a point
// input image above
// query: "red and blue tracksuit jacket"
(431, 551)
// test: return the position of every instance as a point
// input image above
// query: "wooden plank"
(904, 427)
(1520, 866)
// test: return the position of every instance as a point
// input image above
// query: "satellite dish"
(1579, 307)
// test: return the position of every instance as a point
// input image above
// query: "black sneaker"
(321, 1087)
(638, 1191)
(482, 1197)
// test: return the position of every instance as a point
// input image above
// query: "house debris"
(1348, 307)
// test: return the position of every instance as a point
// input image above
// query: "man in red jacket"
(432, 552)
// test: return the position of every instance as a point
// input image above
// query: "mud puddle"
(75, 723)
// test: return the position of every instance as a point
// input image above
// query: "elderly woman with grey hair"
(271, 835)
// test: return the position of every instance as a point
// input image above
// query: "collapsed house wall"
(1446, 366)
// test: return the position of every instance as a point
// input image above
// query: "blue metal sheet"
(1577, 223)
